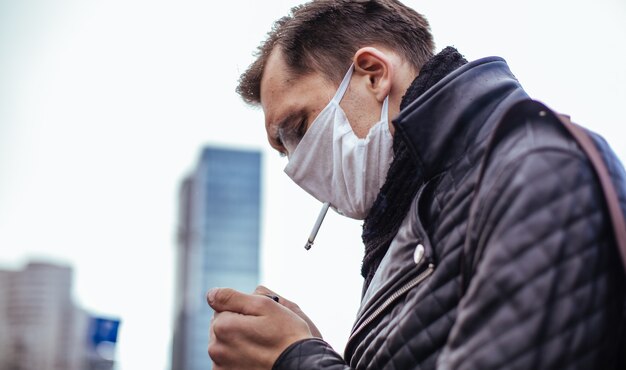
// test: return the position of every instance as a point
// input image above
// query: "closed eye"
(301, 129)
(290, 134)
(278, 145)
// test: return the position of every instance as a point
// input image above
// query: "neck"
(404, 74)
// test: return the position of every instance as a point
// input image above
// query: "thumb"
(227, 299)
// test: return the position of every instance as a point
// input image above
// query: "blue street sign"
(102, 330)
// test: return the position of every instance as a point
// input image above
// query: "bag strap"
(514, 115)
(610, 194)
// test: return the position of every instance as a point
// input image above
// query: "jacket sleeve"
(310, 354)
(542, 294)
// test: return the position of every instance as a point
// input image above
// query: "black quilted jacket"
(545, 291)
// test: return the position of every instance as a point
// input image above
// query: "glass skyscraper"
(218, 244)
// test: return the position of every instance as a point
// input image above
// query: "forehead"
(276, 79)
(283, 94)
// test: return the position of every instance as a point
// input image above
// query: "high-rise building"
(39, 319)
(218, 244)
(40, 326)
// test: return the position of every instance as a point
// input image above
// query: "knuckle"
(218, 328)
(223, 328)
(260, 289)
(216, 352)
(292, 306)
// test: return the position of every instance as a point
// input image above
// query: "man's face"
(291, 104)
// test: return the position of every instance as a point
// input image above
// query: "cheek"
(313, 113)
(363, 112)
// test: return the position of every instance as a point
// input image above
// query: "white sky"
(104, 106)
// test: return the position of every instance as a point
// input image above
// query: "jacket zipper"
(398, 293)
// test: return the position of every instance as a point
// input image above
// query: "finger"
(232, 330)
(226, 327)
(212, 338)
(214, 348)
(262, 290)
(212, 342)
(227, 331)
(219, 354)
(226, 299)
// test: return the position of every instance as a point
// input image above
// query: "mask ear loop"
(384, 113)
(384, 116)
(343, 87)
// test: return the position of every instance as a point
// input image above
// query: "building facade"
(218, 244)
(40, 324)
(41, 328)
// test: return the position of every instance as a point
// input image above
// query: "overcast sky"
(104, 106)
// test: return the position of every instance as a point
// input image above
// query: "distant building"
(40, 327)
(38, 318)
(218, 244)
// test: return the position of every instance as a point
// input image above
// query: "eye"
(301, 129)
(288, 135)
(278, 141)
(279, 146)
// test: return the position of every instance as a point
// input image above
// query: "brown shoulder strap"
(610, 195)
(514, 115)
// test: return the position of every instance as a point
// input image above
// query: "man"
(477, 255)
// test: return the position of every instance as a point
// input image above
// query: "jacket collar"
(395, 196)
(441, 124)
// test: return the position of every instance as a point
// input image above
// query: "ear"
(373, 64)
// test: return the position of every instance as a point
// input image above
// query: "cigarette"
(316, 227)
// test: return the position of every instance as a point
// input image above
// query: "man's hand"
(292, 306)
(251, 331)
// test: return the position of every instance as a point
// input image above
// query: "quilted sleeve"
(311, 354)
(544, 294)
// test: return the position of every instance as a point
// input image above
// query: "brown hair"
(323, 36)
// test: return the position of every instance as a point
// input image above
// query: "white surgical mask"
(332, 164)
